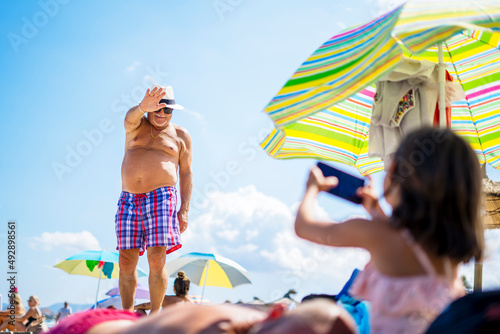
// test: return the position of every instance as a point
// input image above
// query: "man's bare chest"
(152, 139)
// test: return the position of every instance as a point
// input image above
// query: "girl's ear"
(391, 188)
(392, 167)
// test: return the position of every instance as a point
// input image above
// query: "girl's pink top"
(406, 304)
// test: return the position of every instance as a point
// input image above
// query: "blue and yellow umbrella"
(98, 264)
(209, 270)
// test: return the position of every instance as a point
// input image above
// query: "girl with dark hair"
(434, 188)
(181, 286)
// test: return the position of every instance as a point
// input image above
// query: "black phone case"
(348, 184)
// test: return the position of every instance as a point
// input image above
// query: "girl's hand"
(370, 200)
(316, 179)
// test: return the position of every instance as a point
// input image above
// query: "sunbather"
(6, 320)
(181, 289)
(33, 320)
(315, 317)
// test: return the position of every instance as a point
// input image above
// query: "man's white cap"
(168, 99)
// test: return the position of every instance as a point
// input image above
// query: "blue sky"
(70, 70)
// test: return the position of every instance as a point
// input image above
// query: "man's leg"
(157, 276)
(128, 277)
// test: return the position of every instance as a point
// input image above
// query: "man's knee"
(128, 260)
(156, 258)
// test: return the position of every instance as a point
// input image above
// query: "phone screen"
(348, 184)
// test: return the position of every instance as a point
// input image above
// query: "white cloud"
(134, 66)
(79, 241)
(229, 235)
(341, 25)
(257, 231)
(319, 212)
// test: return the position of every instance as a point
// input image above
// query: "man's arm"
(185, 179)
(149, 103)
(58, 315)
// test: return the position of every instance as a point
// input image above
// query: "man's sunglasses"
(167, 111)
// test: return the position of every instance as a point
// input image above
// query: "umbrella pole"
(97, 292)
(442, 83)
(205, 282)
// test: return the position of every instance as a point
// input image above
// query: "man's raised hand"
(151, 100)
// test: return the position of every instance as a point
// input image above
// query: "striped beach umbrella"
(324, 110)
(209, 270)
(98, 264)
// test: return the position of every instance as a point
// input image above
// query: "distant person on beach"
(181, 289)
(155, 149)
(434, 188)
(33, 320)
(64, 312)
(5, 316)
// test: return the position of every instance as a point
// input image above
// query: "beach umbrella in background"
(115, 301)
(98, 264)
(491, 190)
(209, 270)
(324, 110)
(142, 292)
(197, 299)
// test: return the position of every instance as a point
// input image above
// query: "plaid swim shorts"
(148, 220)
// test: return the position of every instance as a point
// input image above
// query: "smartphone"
(348, 184)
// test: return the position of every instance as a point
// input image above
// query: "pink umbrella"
(142, 292)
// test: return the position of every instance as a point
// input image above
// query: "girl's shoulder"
(378, 228)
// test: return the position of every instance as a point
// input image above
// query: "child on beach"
(433, 186)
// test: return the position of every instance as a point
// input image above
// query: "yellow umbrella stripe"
(337, 116)
(355, 140)
(216, 276)
(485, 115)
(491, 130)
(79, 267)
(469, 54)
(323, 102)
(424, 44)
(329, 141)
(321, 124)
(493, 142)
(306, 70)
(367, 63)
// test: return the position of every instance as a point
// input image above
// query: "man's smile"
(160, 119)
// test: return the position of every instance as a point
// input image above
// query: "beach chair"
(478, 312)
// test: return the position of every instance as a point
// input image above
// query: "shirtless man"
(146, 217)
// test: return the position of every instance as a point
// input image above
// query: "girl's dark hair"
(181, 284)
(440, 187)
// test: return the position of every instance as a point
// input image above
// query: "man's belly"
(144, 170)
